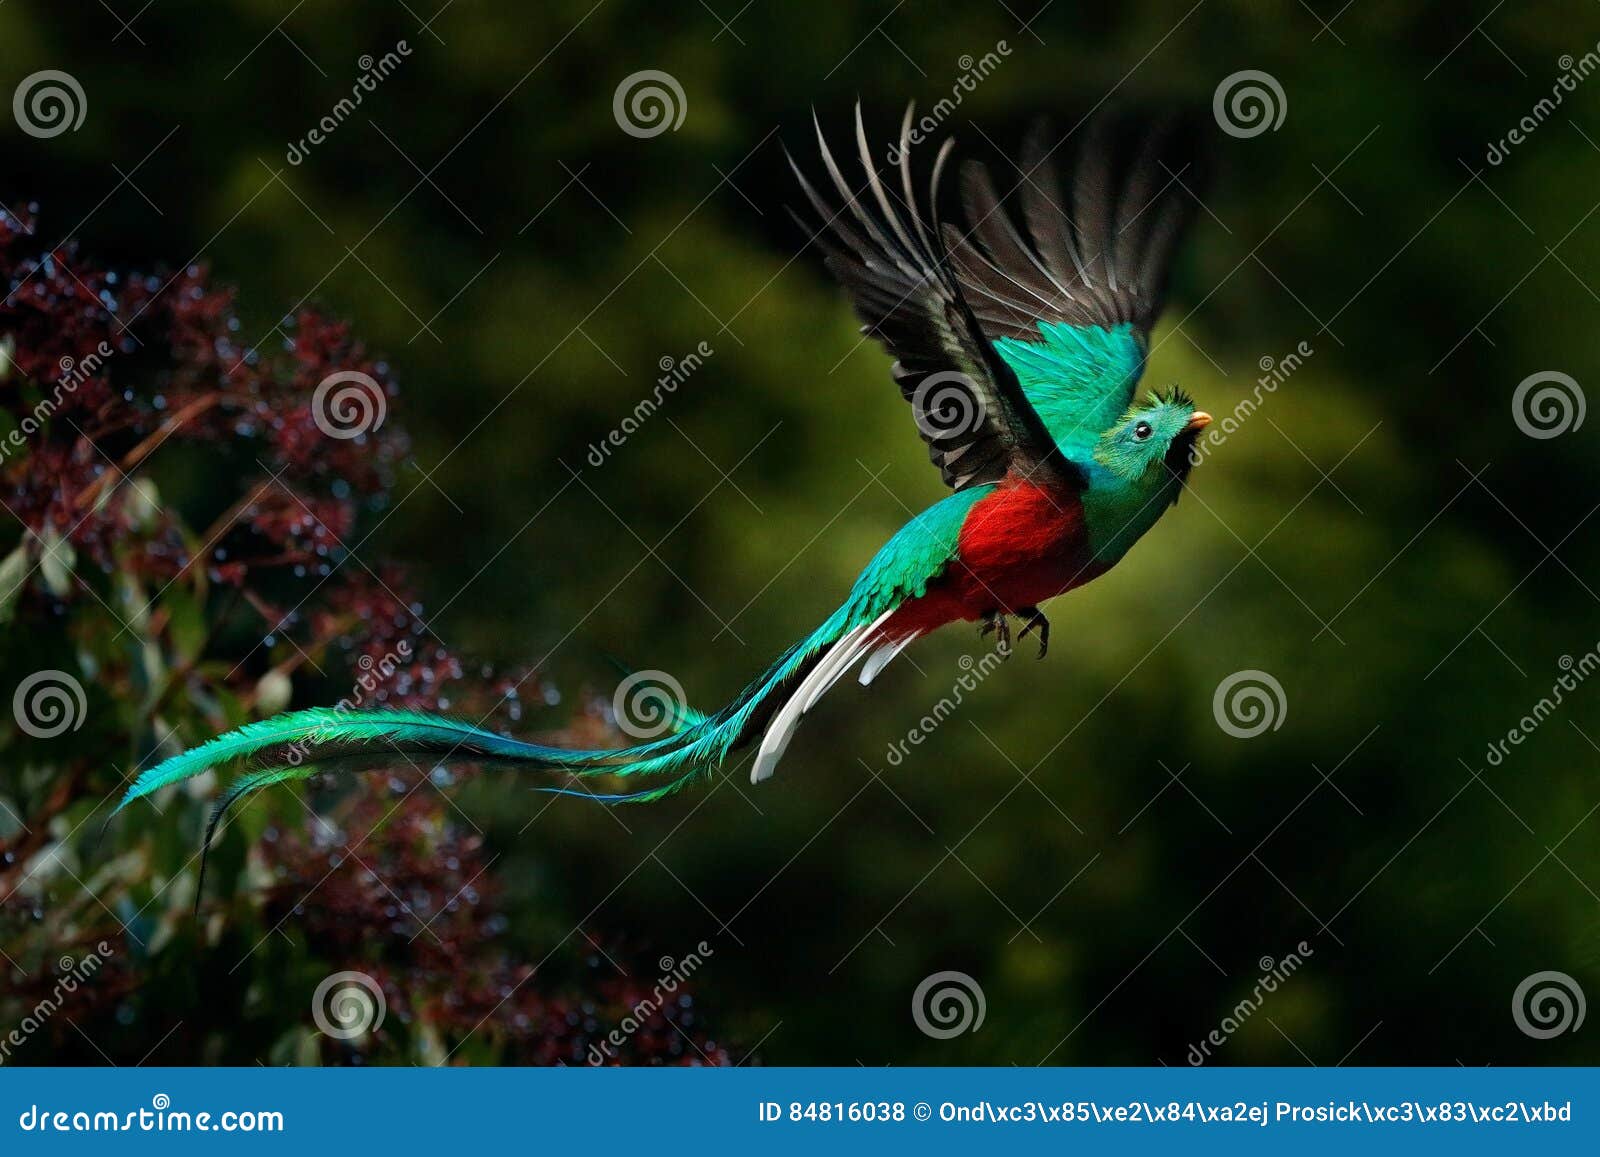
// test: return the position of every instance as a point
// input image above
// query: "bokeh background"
(1081, 838)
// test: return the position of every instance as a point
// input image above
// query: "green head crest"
(1156, 432)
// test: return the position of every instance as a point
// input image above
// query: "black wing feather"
(968, 405)
(1098, 254)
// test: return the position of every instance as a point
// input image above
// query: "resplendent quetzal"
(1019, 345)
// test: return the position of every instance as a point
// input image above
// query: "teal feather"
(1079, 378)
(917, 554)
(295, 745)
(240, 788)
(312, 734)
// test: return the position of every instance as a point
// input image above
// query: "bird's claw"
(996, 622)
(1035, 619)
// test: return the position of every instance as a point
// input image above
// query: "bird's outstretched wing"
(1069, 293)
(967, 401)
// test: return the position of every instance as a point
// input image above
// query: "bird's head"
(1152, 443)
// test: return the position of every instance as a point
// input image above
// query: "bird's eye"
(1142, 431)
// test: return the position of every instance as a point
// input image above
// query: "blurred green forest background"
(1080, 837)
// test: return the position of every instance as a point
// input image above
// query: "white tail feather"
(844, 654)
(883, 656)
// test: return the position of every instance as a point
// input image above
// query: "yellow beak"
(1198, 421)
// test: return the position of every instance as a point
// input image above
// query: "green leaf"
(185, 622)
(56, 562)
(13, 577)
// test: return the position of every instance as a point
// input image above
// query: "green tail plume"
(297, 744)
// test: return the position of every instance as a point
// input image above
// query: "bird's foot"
(996, 622)
(1035, 620)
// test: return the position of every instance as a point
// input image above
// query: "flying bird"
(1018, 341)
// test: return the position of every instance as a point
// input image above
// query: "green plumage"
(918, 553)
(1079, 378)
(294, 745)
(320, 733)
